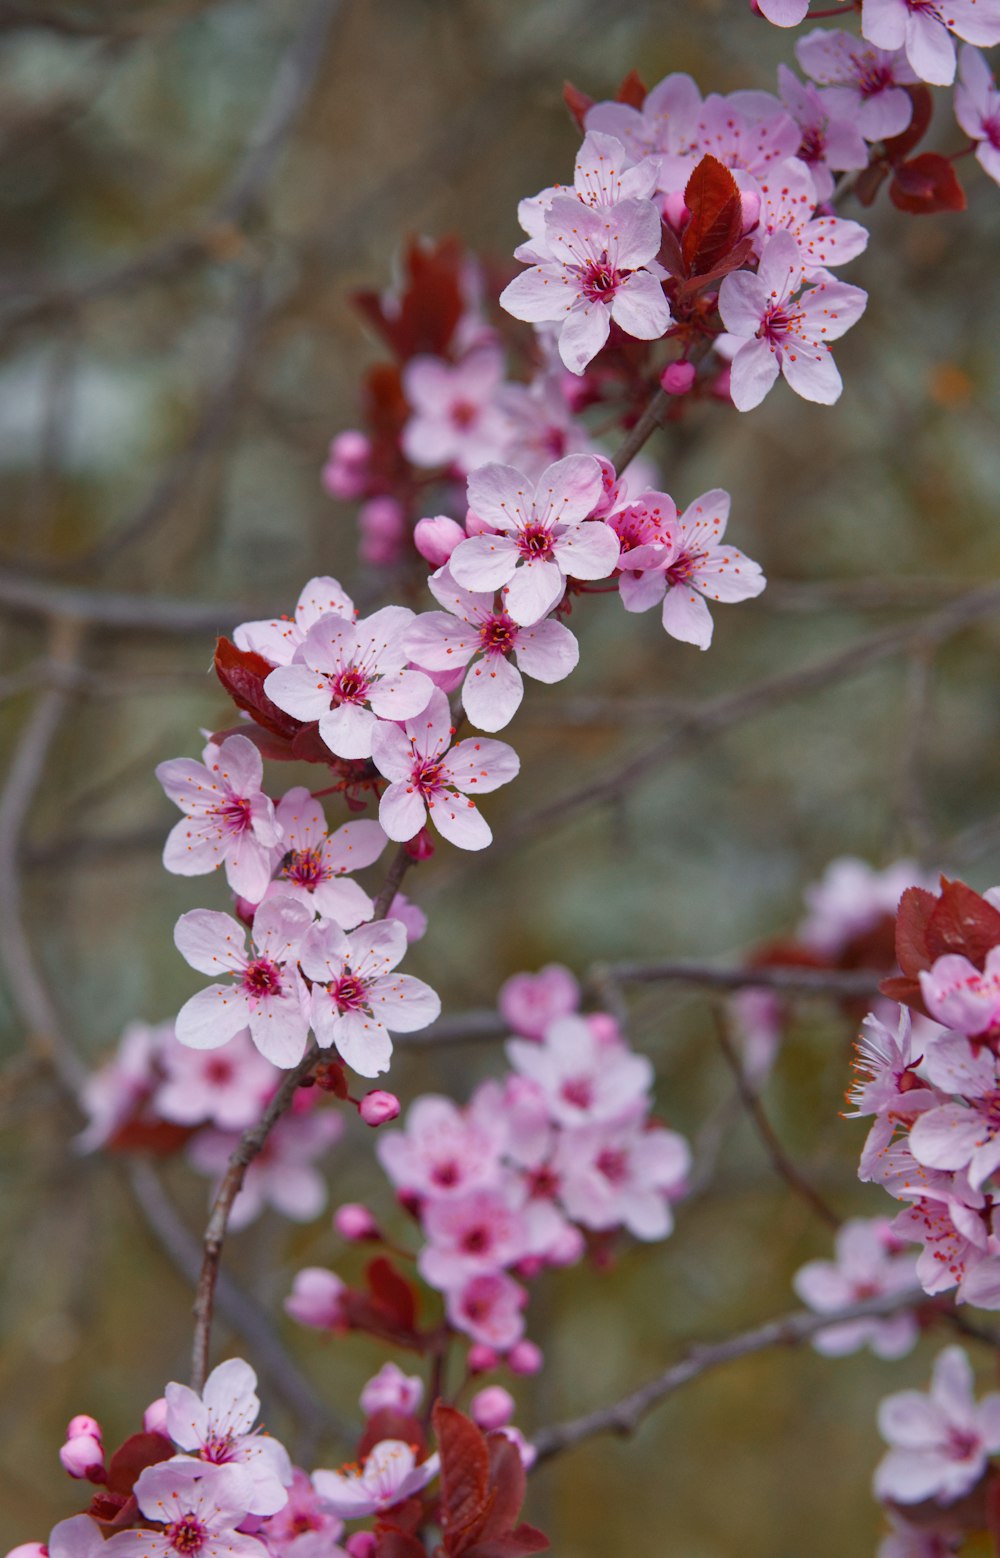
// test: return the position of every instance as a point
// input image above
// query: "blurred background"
(192, 189)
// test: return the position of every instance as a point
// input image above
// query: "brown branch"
(623, 1417)
(783, 1165)
(647, 424)
(795, 980)
(105, 610)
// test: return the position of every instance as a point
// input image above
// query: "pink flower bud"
(604, 1028)
(492, 1407)
(420, 846)
(315, 1298)
(567, 1248)
(383, 531)
(363, 1544)
(474, 526)
(675, 212)
(29, 1550)
(525, 1358)
(377, 1107)
(482, 1359)
(346, 470)
(82, 1456)
(720, 384)
(82, 1424)
(393, 1389)
(435, 539)
(354, 1222)
(750, 202)
(154, 1419)
(678, 377)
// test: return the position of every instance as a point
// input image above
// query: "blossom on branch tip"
(357, 1000)
(456, 419)
(430, 777)
(869, 1262)
(228, 819)
(313, 866)
(977, 109)
(388, 1475)
(198, 1509)
(217, 1427)
(862, 82)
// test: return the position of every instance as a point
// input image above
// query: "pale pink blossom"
(316, 1298)
(748, 131)
(977, 109)
(529, 1002)
(443, 1150)
(603, 267)
(390, 1474)
(229, 1089)
(948, 1220)
(772, 331)
(887, 1086)
(314, 864)
(957, 994)
(217, 1426)
(924, 28)
(788, 199)
(456, 419)
(111, 1095)
(831, 141)
(357, 1000)
(962, 1135)
(863, 82)
(391, 1388)
(868, 1263)
(305, 1527)
(583, 1083)
(78, 1537)
(475, 1232)
(278, 638)
(282, 1175)
(350, 676)
(345, 474)
(472, 632)
(542, 535)
(783, 13)
(602, 178)
(851, 898)
(542, 424)
(198, 1508)
(940, 1441)
(268, 995)
(228, 820)
(666, 122)
(622, 1176)
(429, 776)
(489, 1308)
(916, 1541)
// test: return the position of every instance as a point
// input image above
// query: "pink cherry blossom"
(115, 1092)
(456, 418)
(316, 1298)
(864, 82)
(666, 122)
(228, 1089)
(357, 1000)
(443, 1150)
(489, 1309)
(924, 27)
(282, 1175)
(391, 1388)
(349, 676)
(475, 1232)
(278, 638)
(940, 1441)
(198, 1508)
(887, 1086)
(529, 1002)
(962, 997)
(977, 109)
(543, 535)
(313, 868)
(228, 819)
(916, 1541)
(428, 775)
(773, 331)
(851, 898)
(603, 267)
(962, 1135)
(542, 426)
(305, 1527)
(869, 1262)
(622, 1176)
(471, 632)
(583, 1083)
(689, 568)
(389, 1475)
(268, 996)
(345, 474)
(602, 178)
(788, 199)
(217, 1427)
(748, 131)
(830, 140)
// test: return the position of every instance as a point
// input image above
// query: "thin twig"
(108, 611)
(624, 1416)
(796, 980)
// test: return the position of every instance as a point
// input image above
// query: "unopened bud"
(363, 1544)
(83, 1456)
(675, 211)
(84, 1424)
(29, 1550)
(492, 1407)
(354, 1222)
(435, 539)
(378, 1107)
(346, 470)
(420, 846)
(154, 1419)
(316, 1298)
(525, 1358)
(750, 202)
(474, 526)
(678, 377)
(482, 1359)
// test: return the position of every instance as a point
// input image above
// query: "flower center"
(219, 1071)
(217, 1448)
(351, 686)
(874, 77)
(348, 993)
(426, 776)
(778, 322)
(464, 414)
(613, 1164)
(305, 868)
(233, 816)
(543, 1183)
(684, 566)
(476, 1241)
(578, 1091)
(600, 280)
(445, 1174)
(262, 978)
(187, 1535)
(962, 1446)
(535, 541)
(498, 635)
(813, 145)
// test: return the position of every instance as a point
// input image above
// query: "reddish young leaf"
(132, 1457)
(897, 146)
(713, 198)
(143, 1134)
(962, 922)
(507, 1480)
(387, 1423)
(391, 1293)
(422, 318)
(906, 991)
(870, 180)
(465, 1477)
(912, 919)
(926, 183)
(391, 1542)
(577, 102)
(116, 1511)
(732, 260)
(242, 673)
(632, 91)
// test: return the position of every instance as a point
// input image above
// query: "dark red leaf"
(906, 991)
(149, 1134)
(389, 1424)
(713, 198)
(926, 183)
(577, 102)
(912, 919)
(870, 180)
(897, 147)
(391, 1293)
(962, 922)
(242, 673)
(465, 1477)
(507, 1480)
(423, 316)
(632, 91)
(512, 1544)
(391, 1542)
(735, 257)
(132, 1457)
